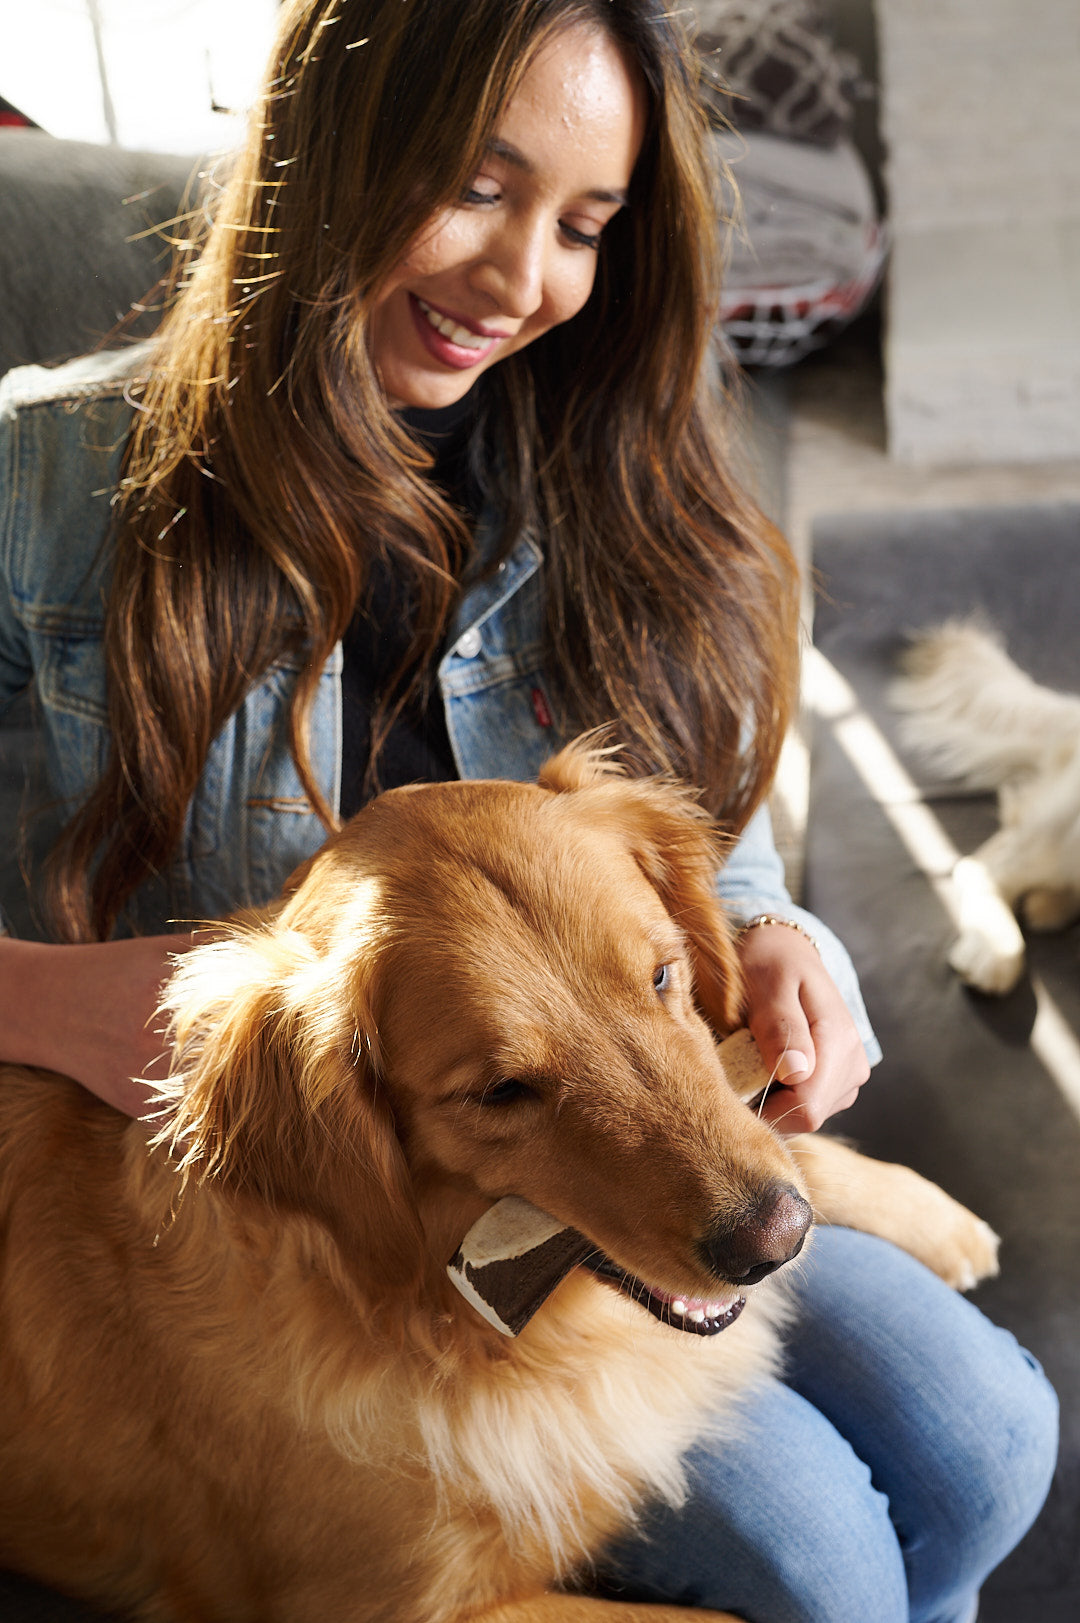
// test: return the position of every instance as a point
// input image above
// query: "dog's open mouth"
(697, 1316)
(515, 1255)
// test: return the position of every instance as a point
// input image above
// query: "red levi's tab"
(540, 708)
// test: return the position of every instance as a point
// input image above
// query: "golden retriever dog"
(237, 1382)
(974, 715)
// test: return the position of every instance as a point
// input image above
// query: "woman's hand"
(806, 1037)
(90, 1012)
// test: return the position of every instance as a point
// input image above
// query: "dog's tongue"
(515, 1255)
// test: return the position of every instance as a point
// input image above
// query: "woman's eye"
(583, 239)
(473, 195)
(510, 1091)
(662, 978)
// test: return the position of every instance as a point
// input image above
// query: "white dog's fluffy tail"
(974, 715)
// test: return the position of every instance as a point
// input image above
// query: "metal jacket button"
(468, 644)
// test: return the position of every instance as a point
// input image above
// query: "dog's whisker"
(784, 1117)
(772, 1078)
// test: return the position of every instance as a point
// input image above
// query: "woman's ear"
(274, 1091)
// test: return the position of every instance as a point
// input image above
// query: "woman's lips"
(450, 342)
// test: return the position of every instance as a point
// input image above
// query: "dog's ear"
(589, 759)
(275, 1091)
(679, 850)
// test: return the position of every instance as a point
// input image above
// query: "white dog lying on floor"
(977, 717)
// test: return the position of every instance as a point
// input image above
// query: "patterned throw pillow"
(777, 70)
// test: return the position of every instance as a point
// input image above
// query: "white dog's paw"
(982, 963)
(989, 953)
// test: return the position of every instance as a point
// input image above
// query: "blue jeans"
(907, 1451)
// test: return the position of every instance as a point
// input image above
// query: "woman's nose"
(512, 270)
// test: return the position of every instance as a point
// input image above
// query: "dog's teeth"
(696, 1315)
(713, 1310)
(679, 1306)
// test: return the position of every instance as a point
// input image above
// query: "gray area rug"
(961, 1095)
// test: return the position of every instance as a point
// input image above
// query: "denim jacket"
(62, 436)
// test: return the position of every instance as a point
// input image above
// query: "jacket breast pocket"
(70, 679)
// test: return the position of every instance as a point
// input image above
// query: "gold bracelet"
(772, 918)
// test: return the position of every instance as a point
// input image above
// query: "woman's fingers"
(803, 1030)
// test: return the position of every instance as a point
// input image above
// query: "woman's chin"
(426, 392)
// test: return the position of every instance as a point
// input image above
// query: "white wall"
(980, 115)
(165, 61)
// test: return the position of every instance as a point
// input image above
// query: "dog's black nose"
(768, 1234)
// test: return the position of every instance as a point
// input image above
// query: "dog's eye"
(510, 1091)
(662, 978)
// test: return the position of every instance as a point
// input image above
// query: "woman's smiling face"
(517, 255)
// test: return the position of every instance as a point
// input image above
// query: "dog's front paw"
(989, 953)
(899, 1204)
(983, 962)
(918, 1215)
(964, 1249)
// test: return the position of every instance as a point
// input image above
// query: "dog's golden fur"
(237, 1383)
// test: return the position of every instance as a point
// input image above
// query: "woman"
(421, 475)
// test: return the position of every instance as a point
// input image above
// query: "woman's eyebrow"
(513, 155)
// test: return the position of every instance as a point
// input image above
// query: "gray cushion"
(73, 259)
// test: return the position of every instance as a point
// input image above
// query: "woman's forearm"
(89, 1012)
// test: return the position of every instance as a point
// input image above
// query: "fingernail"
(790, 1064)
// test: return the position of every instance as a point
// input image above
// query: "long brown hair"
(266, 475)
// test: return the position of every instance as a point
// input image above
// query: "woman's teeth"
(452, 331)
